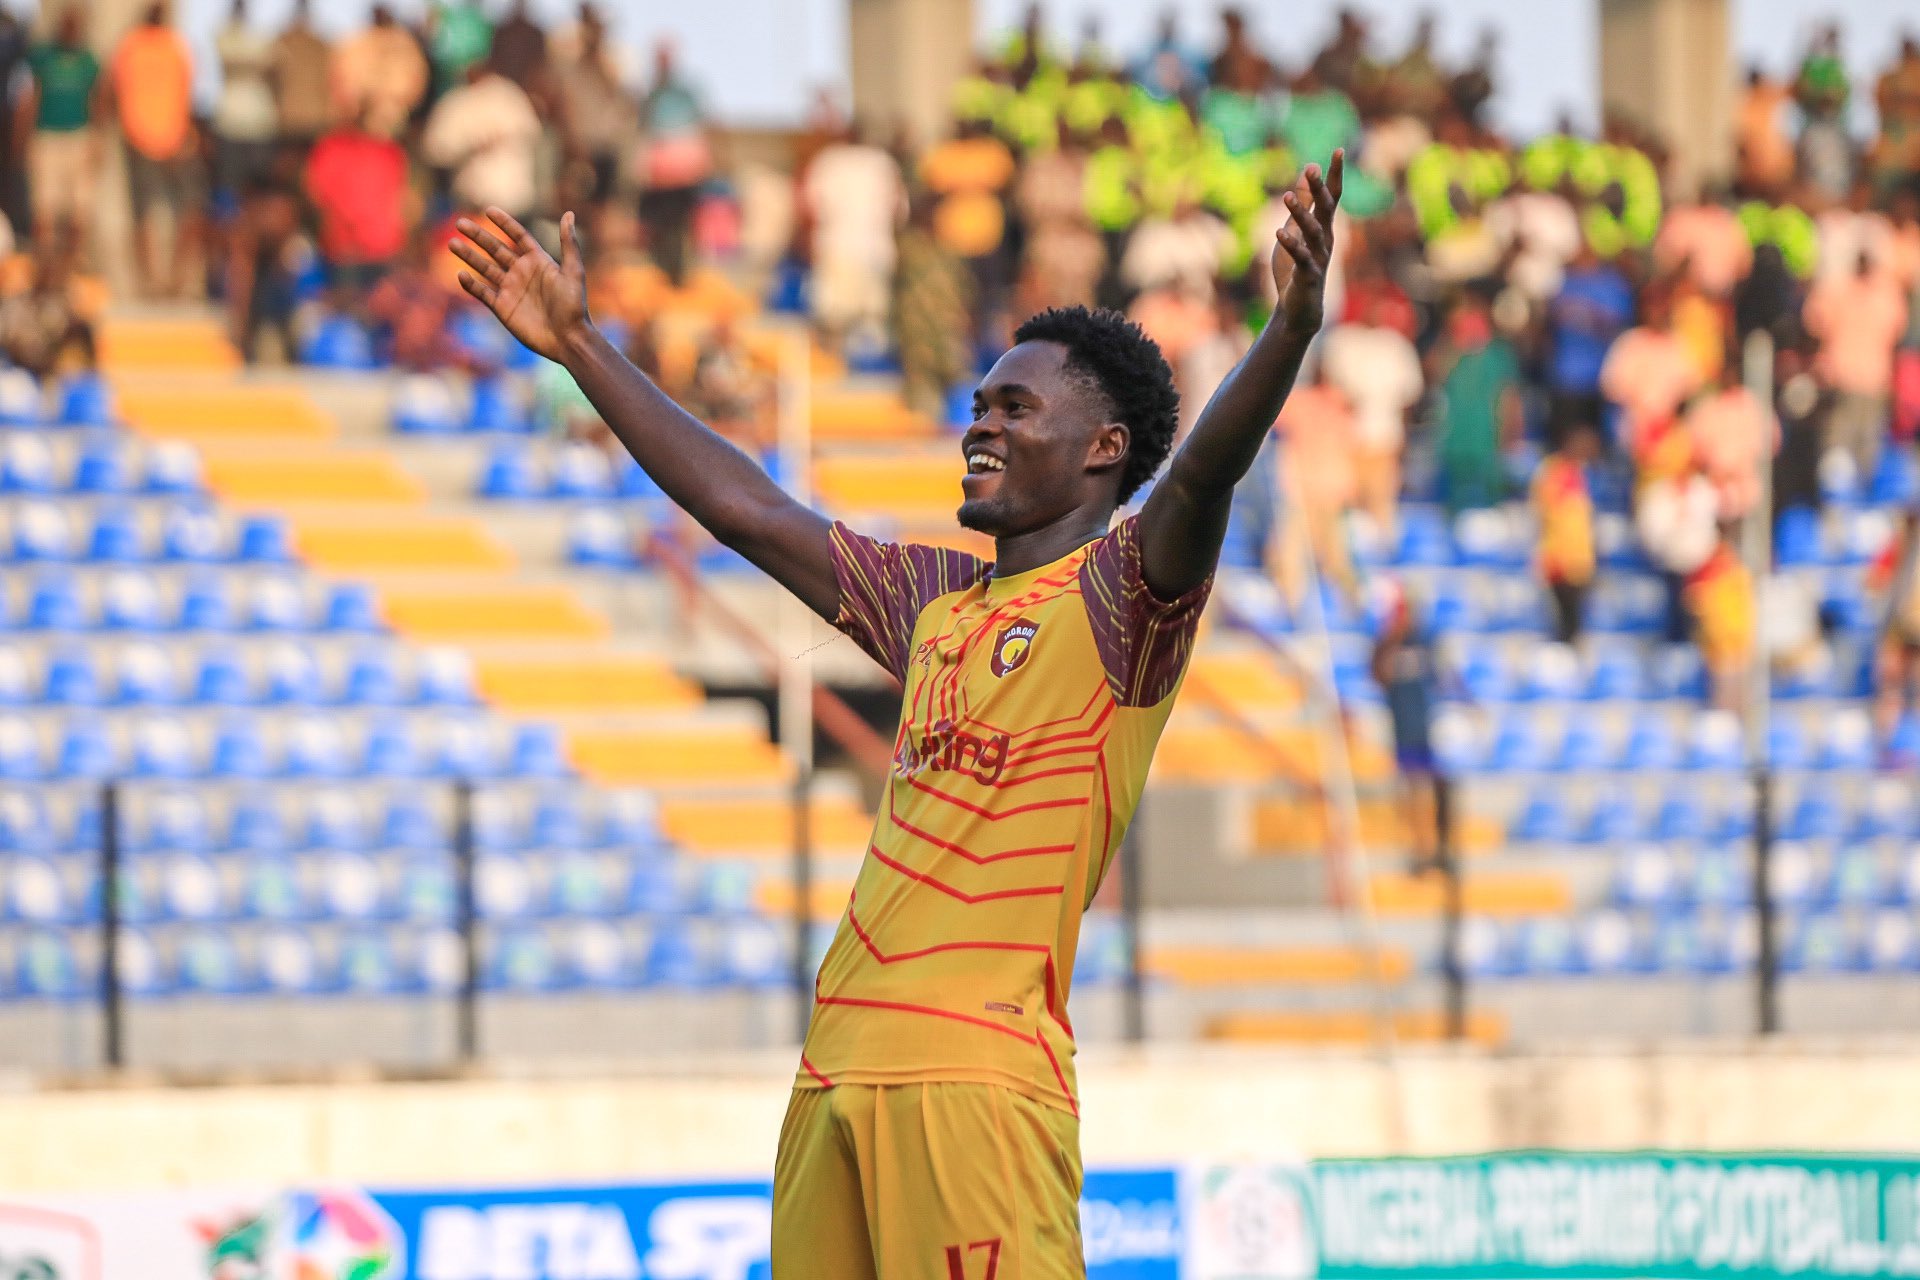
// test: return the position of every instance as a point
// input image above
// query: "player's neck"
(1016, 553)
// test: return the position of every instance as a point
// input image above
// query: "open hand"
(540, 301)
(1304, 252)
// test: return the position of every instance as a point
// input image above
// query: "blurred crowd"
(1552, 322)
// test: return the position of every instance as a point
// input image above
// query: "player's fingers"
(1289, 238)
(483, 265)
(493, 245)
(482, 292)
(1324, 201)
(517, 234)
(1311, 231)
(1337, 175)
(570, 259)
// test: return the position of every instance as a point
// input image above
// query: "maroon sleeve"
(885, 585)
(1144, 641)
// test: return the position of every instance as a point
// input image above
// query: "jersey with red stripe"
(1032, 706)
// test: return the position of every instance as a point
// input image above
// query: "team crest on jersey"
(1013, 646)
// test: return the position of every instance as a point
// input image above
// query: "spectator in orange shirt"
(1765, 150)
(1563, 506)
(150, 80)
(1648, 372)
(1318, 483)
(1858, 318)
(1731, 431)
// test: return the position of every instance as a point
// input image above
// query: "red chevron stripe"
(874, 950)
(814, 1073)
(1034, 891)
(930, 1012)
(1071, 735)
(978, 859)
(1073, 1103)
(1047, 724)
(1005, 783)
(958, 803)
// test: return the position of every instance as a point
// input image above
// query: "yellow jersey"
(1032, 706)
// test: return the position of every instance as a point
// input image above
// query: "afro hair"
(1118, 359)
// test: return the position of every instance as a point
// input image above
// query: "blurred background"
(378, 746)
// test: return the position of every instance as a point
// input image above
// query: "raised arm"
(1184, 521)
(543, 303)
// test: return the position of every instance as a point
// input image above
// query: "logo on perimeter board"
(1013, 646)
(333, 1234)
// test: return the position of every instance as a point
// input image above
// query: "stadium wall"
(1152, 1108)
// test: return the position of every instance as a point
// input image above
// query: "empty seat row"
(287, 673)
(1657, 876)
(104, 465)
(344, 886)
(1686, 812)
(204, 961)
(1614, 943)
(1519, 741)
(312, 746)
(45, 530)
(569, 472)
(133, 601)
(79, 400)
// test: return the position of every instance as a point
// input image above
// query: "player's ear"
(1109, 446)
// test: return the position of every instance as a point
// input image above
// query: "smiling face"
(1041, 445)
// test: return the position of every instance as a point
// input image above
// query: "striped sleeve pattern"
(1144, 642)
(885, 585)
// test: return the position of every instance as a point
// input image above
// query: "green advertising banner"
(1651, 1214)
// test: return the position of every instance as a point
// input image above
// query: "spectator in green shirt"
(1319, 117)
(461, 35)
(1482, 408)
(66, 156)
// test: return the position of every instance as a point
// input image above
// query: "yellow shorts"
(928, 1181)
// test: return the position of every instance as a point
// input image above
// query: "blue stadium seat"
(658, 886)
(1490, 539)
(222, 679)
(144, 972)
(521, 960)
(1682, 815)
(370, 964)
(147, 677)
(37, 893)
(1652, 744)
(22, 404)
(255, 826)
(87, 401)
(600, 538)
(1424, 537)
(334, 821)
(725, 888)
(272, 888)
(756, 953)
(25, 826)
(129, 601)
(116, 537)
(339, 342)
(1679, 672)
(42, 532)
(466, 750)
(56, 603)
(1892, 943)
(191, 888)
(504, 887)
(428, 891)
(206, 604)
(26, 466)
(374, 679)
(581, 885)
(560, 822)
(1864, 534)
(1814, 679)
(1797, 540)
(596, 957)
(1547, 947)
(277, 604)
(1618, 674)
(72, 680)
(1614, 819)
(538, 752)
(495, 824)
(1553, 674)
(1521, 746)
(1787, 745)
(86, 751)
(315, 747)
(264, 539)
(289, 964)
(176, 823)
(1847, 742)
(1887, 811)
(498, 405)
(352, 606)
(19, 750)
(1716, 742)
(191, 534)
(1648, 876)
(425, 405)
(162, 748)
(1457, 744)
(632, 821)
(1858, 878)
(445, 678)
(351, 887)
(1455, 607)
(1795, 879)
(410, 824)
(173, 469)
(677, 958)
(1612, 943)
(293, 676)
(633, 482)
(240, 750)
(1847, 607)
(83, 831)
(510, 472)
(1895, 483)
(1903, 744)
(1721, 878)
(1816, 816)
(1818, 943)
(392, 750)
(580, 471)
(103, 466)
(1587, 746)
(47, 966)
